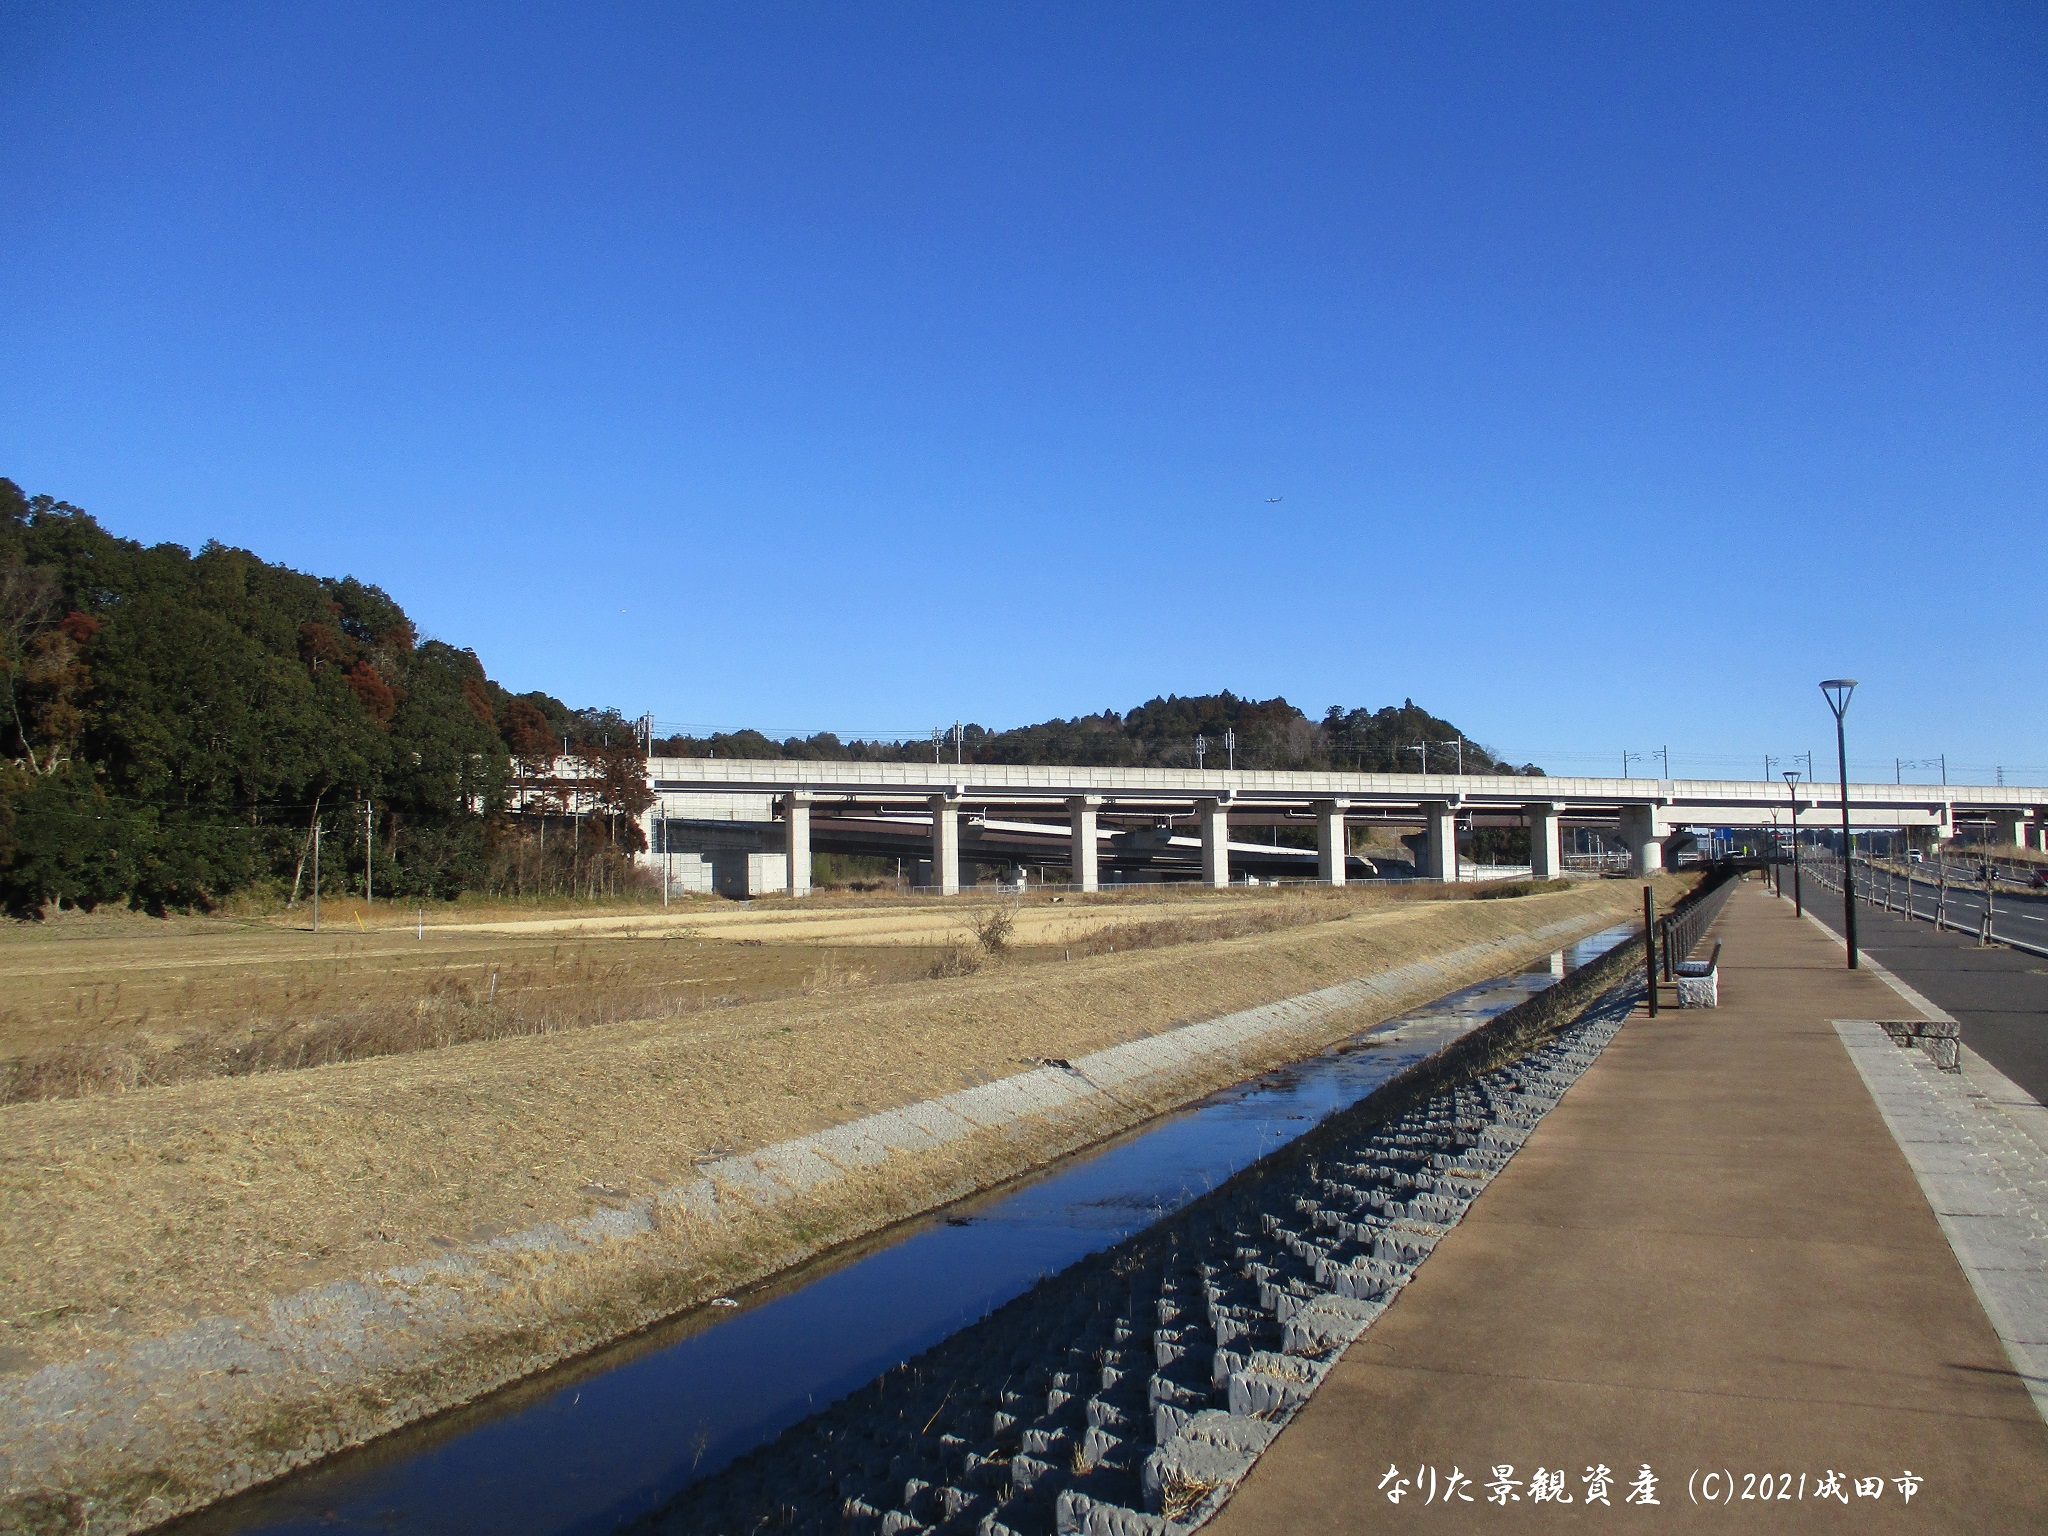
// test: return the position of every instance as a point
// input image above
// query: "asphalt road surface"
(2016, 913)
(1999, 995)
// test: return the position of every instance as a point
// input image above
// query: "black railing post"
(1650, 946)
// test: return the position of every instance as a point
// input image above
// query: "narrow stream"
(582, 1448)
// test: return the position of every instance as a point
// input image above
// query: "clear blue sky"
(1622, 369)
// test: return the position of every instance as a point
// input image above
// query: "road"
(1999, 995)
(2016, 913)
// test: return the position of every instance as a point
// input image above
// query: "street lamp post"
(1837, 691)
(1798, 891)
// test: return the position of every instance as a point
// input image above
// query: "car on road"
(2039, 881)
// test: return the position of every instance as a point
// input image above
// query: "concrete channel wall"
(122, 1438)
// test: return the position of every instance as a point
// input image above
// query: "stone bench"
(1699, 981)
(1939, 1038)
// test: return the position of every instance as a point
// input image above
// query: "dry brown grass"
(119, 1022)
(113, 1006)
(1180, 1493)
(139, 1211)
(1196, 928)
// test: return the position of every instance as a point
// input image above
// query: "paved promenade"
(1712, 1257)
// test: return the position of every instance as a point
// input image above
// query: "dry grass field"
(129, 1213)
(116, 1002)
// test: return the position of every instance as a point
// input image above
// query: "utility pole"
(1201, 747)
(1665, 754)
(369, 843)
(316, 874)
(959, 736)
(937, 737)
(1230, 746)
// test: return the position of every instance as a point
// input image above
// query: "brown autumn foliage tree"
(615, 775)
(28, 608)
(379, 702)
(55, 682)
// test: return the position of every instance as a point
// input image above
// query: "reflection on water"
(585, 1447)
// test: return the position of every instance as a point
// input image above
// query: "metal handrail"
(1668, 941)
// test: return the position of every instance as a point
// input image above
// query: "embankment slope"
(155, 1242)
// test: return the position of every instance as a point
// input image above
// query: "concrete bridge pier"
(1546, 850)
(2015, 829)
(946, 844)
(1082, 809)
(1644, 833)
(1215, 822)
(1333, 845)
(1439, 840)
(796, 823)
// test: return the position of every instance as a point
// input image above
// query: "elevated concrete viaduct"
(1084, 817)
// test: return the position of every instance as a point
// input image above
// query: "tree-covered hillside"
(1270, 733)
(175, 721)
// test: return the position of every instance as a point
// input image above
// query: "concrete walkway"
(1712, 1257)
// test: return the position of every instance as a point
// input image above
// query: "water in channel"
(587, 1446)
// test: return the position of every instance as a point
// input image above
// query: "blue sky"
(1622, 370)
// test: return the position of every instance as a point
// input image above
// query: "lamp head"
(1838, 690)
(1791, 776)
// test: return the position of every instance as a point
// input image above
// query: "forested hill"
(176, 723)
(1270, 733)
(173, 721)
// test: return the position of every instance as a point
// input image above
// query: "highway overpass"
(1084, 817)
